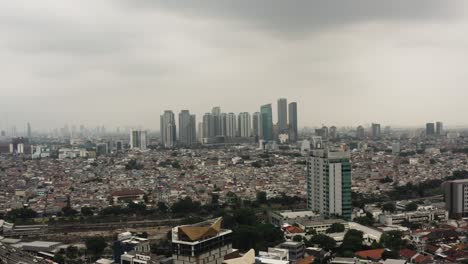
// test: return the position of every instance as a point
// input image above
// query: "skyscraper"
(376, 131)
(216, 112)
(209, 130)
(329, 183)
(223, 124)
(456, 198)
(360, 133)
(430, 129)
(29, 130)
(187, 130)
(257, 125)
(231, 125)
(293, 135)
(439, 128)
(138, 139)
(267, 122)
(244, 124)
(282, 115)
(333, 133)
(168, 129)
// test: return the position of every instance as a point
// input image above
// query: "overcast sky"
(122, 62)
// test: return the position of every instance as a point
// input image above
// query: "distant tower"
(360, 133)
(168, 129)
(256, 124)
(29, 130)
(282, 115)
(209, 130)
(244, 124)
(430, 129)
(293, 133)
(231, 125)
(439, 128)
(138, 139)
(216, 112)
(187, 129)
(376, 131)
(267, 121)
(333, 133)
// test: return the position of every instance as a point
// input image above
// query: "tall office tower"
(323, 132)
(200, 133)
(267, 122)
(439, 128)
(244, 124)
(209, 130)
(204, 242)
(333, 133)
(168, 129)
(138, 139)
(29, 130)
(360, 133)
(256, 124)
(376, 131)
(231, 125)
(282, 115)
(456, 198)
(329, 182)
(101, 149)
(293, 135)
(187, 134)
(3, 133)
(430, 129)
(223, 124)
(216, 112)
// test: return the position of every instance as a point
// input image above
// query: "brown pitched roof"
(373, 254)
(127, 192)
(201, 230)
(407, 253)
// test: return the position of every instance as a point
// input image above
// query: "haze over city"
(117, 63)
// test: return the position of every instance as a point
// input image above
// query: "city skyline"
(86, 61)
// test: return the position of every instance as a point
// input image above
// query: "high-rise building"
(282, 115)
(231, 125)
(29, 132)
(360, 132)
(138, 139)
(293, 134)
(430, 129)
(209, 130)
(333, 133)
(376, 132)
(244, 124)
(267, 122)
(223, 124)
(456, 198)
(329, 182)
(439, 128)
(216, 112)
(205, 242)
(102, 149)
(187, 128)
(257, 125)
(200, 133)
(168, 129)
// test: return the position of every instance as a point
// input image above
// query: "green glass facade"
(267, 121)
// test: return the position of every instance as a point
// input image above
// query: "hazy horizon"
(122, 62)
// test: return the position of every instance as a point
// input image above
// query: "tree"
(389, 207)
(162, 207)
(364, 220)
(87, 211)
(96, 245)
(352, 241)
(71, 252)
(393, 240)
(297, 238)
(262, 197)
(68, 211)
(22, 213)
(336, 228)
(323, 241)
(411, 207)
(215, 199)
(185, 205)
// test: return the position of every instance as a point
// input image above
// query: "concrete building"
(267, 122)
(204, 242)
(295, 250)
(360, 132)
(209, 130)
(376, 132)
(187, 128)
(456, 198)
(168, 129)
(293, 131)
(423, 216)
(430, 129)
(231, 125)
(257, 125)
(329, 182)
(138, 139)
(244, 124)
(282, 115)
(439, 128)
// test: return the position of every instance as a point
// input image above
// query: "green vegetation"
(22, 214)
(323, 241)
(411, 207)
(95, 246)
(389, 207)
(133, 165)
(336, 228)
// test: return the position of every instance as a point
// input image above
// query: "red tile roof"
(407, 253)
(422, 259)
(307, 260)
(373, 254)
